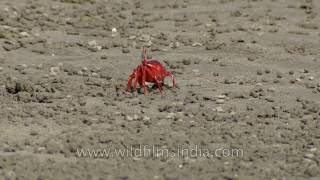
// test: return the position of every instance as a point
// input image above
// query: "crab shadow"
(153, 89)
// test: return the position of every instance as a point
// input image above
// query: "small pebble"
(95, 74)
(186, 61)
(114, 32)
(195, 70)
(276, 81)
(251, 59)
(259, 72)
(221, 96)
(279, 75)
(170, 115)
(39, 66)
(271, 89)
(311, 78)
(215, 59)
(220, 101)
(84, 68)
(227, 81)
(145, 38)
(291, 72)
(24, 34)
(196, 61)
(215, 74)
(132, 37)
(197, 44)
(146, 118)
(54, 71)
(309, 155)
(125, 50)
(135, 117)
(175, 45)
(1, 69)
(313, 149)
(265, 80)
(104, 57)
(219, 109)
(41, 148)
(311, 85)
(54, 68)
(269, 99)
(80, 73)
(222, 64)
(292, 81)
(34, 133)
(92, 43)
(21, 67)
(129, 118)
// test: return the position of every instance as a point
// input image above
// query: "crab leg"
(136, 79)
(143, 82)
(130, 81)
(159, 86)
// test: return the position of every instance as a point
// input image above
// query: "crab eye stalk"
(144, 53)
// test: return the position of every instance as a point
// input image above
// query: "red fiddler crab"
(148, 71)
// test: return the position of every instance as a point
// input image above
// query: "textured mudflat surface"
(247, 73)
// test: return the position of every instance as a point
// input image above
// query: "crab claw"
(172, 78)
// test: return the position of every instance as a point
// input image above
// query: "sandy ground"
(247, 73)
